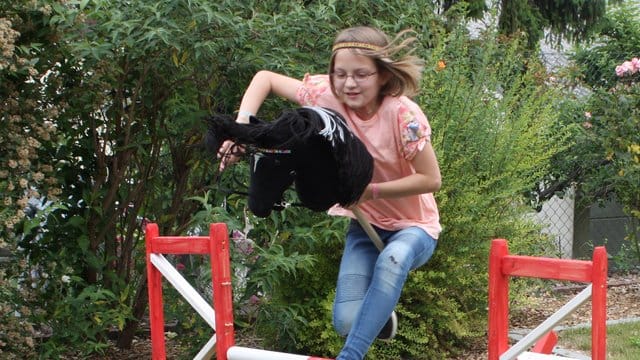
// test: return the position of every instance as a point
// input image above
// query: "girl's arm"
(263, 83)
(426, 179)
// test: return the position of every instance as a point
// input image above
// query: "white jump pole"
(185, 289)
(216, 245)
(208, 350)
(536, 356)
(243, 353)
(547, 325)
(192, 296)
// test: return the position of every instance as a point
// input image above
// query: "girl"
(369, 82)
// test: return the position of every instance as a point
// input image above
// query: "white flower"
(65, 279)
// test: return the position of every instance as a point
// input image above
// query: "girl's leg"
(356, 269)
(406, 249)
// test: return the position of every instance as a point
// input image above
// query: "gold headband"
(359, 45)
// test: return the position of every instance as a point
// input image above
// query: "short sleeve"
(415, 130)
(312, 89)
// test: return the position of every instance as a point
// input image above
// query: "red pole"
(498, 300)
(222, 298)
(599, 304)
(546, 343)
(154, 286)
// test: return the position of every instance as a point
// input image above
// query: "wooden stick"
(373, 235)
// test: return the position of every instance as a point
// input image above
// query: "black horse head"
(309, 147)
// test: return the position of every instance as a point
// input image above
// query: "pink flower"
(237, 235)
(628, 67)
(636, 64)
(180, 267)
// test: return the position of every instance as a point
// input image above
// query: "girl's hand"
(229, 154)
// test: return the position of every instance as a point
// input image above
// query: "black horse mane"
(328, 163)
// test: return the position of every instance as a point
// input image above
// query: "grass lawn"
(623, 341)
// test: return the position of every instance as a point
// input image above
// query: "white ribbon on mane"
(332, 124)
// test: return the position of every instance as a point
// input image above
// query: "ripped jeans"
(370, 282)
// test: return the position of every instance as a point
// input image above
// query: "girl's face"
(356, 81)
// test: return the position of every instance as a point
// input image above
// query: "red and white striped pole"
(216, 245)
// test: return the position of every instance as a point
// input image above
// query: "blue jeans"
(370, 282)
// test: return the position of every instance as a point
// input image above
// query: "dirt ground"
(623, 301)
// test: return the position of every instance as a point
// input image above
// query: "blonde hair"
(394, 57)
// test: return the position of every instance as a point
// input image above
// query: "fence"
(503, 266)
(576, 228)
(216, 246)
(557, 218)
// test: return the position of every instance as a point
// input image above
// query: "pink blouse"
(393, 144)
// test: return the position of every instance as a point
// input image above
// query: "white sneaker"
(389, 329)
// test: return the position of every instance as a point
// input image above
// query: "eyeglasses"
(357, 77)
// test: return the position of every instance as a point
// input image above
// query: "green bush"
(493, 117)
(17, 333)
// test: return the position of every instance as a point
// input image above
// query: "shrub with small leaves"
(604, 162)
